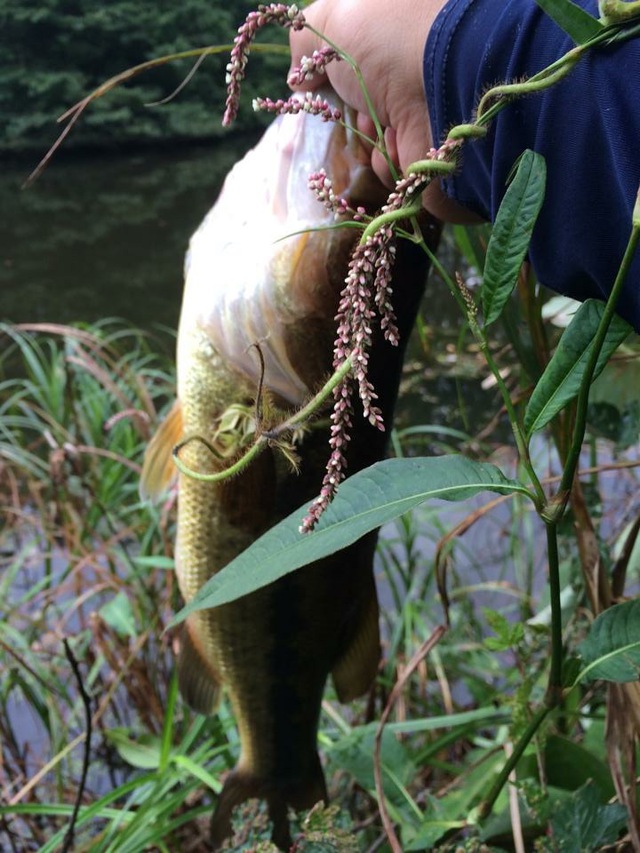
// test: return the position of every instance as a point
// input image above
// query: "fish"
(263, 275)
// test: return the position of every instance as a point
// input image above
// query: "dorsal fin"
(158, 469)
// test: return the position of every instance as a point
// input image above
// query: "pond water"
(100, 236)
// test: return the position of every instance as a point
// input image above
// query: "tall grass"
(82, 561)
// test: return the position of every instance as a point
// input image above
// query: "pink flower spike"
(337, 464)
(315, 105)
(273, 13)
(314, 64)
(321, 185)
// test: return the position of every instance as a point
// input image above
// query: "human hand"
(387, 43)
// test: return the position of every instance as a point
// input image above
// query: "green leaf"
(614, 401)
(429, 833)
(143, 753)
(577, 23)
(195, 769)
(612, 648)
(511, 233)
(569, 765)
(561, 380)
(509, 634)
(583, 823)
(118, 614)
(155, 562)
(364, 502)
(354, 753)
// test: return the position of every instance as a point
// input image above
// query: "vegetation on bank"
(88, 595)
(54, 53)
(500, 723)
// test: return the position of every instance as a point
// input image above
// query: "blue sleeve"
(587, 127)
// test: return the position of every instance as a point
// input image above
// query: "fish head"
(268, 263)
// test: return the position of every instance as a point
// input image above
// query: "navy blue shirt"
(587, 127)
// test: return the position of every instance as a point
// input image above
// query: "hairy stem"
(265, 438)
(379, 142)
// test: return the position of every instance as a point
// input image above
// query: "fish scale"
(273, 650)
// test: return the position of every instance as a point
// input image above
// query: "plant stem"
(488, 803)
(389, 217)
(365, 94)
(314, 404)
(554, 688)
(217, 476)
(265, 437)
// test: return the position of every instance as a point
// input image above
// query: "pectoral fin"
(198, 682)
(158, 469)
(358, 665)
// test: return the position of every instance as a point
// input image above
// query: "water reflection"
(102, 237)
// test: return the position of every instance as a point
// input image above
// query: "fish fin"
(158, 469)
(241, 785)
(355, 670)
(198, 682)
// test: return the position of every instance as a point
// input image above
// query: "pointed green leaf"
(364, 502)
(561, 380)
(118, 614)
(511, 234)
(197, 770)
(143, 752)
(570, 765)
(155, 562)
(612, 648)
(354, 753)
(577, 23)
(584, 824)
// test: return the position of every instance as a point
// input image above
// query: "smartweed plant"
(559, 397)
(483, 740)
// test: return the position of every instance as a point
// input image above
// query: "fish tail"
(242, 785)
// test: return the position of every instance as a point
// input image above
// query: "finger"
(380, 163)
(366, 127)
(303, 42)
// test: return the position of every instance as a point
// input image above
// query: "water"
(99, 237)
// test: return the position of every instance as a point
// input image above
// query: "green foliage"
(354, 753)
(612, 648)
(508, 634)
(75, 413)
(55, 53)
(577, 23)
(563, 376)
(367, 500)
(614, 408)
(584, 824)
(511, 234)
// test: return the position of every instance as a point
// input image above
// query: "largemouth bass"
(252, 278)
